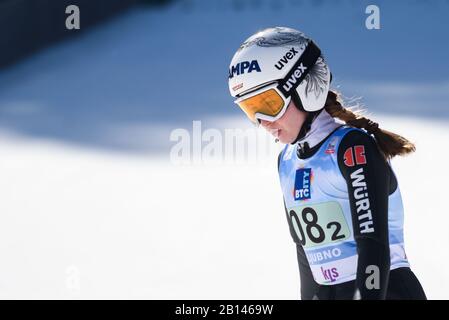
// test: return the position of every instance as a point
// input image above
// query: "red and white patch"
(354, 155)
(239, 86)
(330, 149)
(331, 146)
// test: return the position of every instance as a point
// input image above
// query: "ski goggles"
(267, 103)
(270, 102)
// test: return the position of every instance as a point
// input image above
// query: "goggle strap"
(300, 69)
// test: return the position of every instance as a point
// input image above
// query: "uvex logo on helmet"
(284, 60)
(294, 77)
(244, 66)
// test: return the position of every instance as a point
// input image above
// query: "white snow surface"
(77, 223)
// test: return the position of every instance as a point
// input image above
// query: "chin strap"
(305, 128)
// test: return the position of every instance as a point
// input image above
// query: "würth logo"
(365, 217)
(285, 59)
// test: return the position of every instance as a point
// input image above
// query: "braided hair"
(389, 143)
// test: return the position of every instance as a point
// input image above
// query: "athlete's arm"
(308, 286)
(368, 179)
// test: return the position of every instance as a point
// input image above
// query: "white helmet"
(282, 59)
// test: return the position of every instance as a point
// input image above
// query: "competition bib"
(319, 224)
(319, 213)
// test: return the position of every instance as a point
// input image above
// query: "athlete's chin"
(284, 138)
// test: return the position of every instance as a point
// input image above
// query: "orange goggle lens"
(269, 103)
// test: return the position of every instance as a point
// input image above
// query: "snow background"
(91, 205)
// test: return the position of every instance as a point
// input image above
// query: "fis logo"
(331, 146)
(244, 66)
(285, 59)
(330, 274)
(302, 184)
